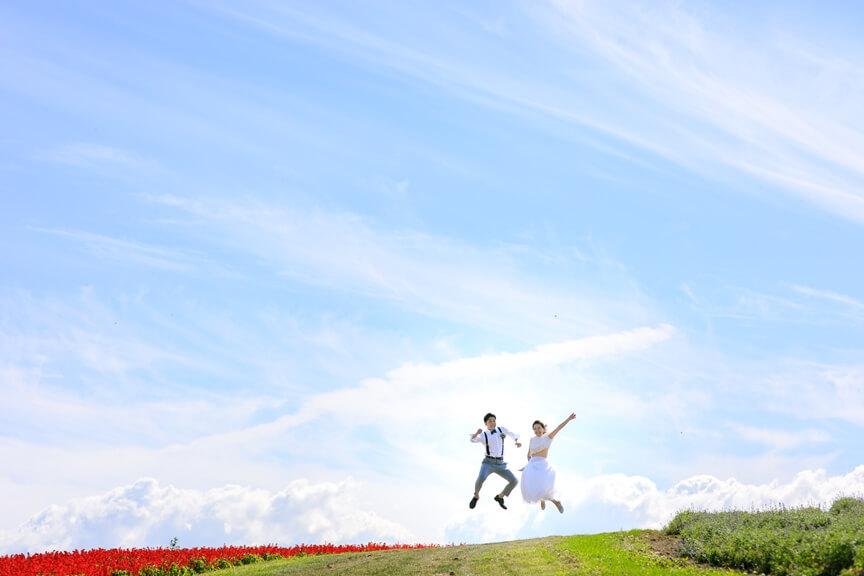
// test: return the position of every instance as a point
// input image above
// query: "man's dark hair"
(487, 416)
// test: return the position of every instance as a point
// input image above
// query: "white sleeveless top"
(539, 443)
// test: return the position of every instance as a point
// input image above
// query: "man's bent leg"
(485, 470)
(511, 480)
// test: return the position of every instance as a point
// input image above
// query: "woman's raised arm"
(562, 424)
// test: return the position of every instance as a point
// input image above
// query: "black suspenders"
(486, 436)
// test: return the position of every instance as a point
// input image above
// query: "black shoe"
(500, 502)
(472, 503)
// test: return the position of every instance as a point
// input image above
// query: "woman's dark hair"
(540, 423)
(487, 416)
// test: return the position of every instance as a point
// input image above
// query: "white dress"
(538, 477)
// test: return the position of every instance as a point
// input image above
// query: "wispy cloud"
(848, 301)
(422, 394)
(792, 304)
(813, 391)
(671, 84)
(468, 69)
(720, 112)
(40, 408)
(87, 331)
(96, 370)
(431, 275)
(130, 252)
(780, 439)
(92, 155)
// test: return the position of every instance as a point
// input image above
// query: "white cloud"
(652, 507)
(147, 513)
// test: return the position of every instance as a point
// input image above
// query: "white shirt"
(496, 442)
(538, 444)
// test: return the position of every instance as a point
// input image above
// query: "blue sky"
(275, 252)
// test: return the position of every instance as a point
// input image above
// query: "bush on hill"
(784, 542)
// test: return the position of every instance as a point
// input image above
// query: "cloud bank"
(146, 513)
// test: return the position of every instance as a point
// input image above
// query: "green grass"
(631, 553)
(781, 542)
(613, 554)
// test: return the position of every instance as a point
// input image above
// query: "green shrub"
(198, 565)
(780, 541)
(680, 520)
(848, 505)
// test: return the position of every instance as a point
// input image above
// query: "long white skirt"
(538, 480)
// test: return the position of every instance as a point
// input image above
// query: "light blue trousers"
(492, 466)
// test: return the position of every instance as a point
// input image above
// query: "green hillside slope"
(612, 554)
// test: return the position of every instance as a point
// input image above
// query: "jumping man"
(493, 440)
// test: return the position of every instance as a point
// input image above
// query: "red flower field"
(164, 561)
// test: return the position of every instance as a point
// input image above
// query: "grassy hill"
(646, 553)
